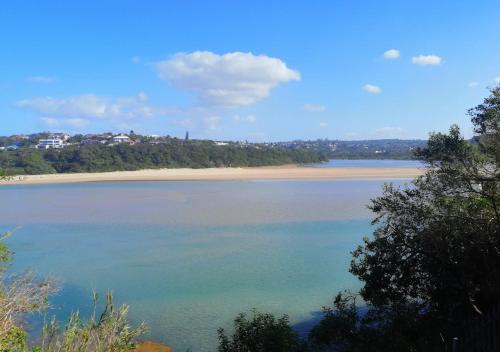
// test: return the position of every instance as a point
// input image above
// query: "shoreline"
(287, 172)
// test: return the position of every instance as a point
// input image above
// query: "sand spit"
(223, 174)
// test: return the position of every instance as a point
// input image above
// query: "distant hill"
(60, 153)
(363, 149)
(134, 153)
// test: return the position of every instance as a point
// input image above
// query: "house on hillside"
(62, 136)
(121, 138)
(48, 143)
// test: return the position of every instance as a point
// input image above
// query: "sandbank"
(288, 172)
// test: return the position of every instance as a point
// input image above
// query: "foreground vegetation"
(432, 263)
(173, 153)
(20, 295)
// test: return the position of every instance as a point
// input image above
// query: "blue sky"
(255, 70)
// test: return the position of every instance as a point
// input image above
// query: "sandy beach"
(289, 172)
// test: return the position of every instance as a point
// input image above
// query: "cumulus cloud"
(246, 119)
(72, 123)
(90, 107)
(212, 122)
(473, 84)
(42, 79)
(323, 124)
(229, 80)
(77, 123)
(426, 60)
(392, 54)
(50, 121)
(142, 97)
(390, 132)
(136, 60)
(497, 79)
(314, 108)
(372, 89)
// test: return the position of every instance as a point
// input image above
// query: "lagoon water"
(188, 256)
(386, 163)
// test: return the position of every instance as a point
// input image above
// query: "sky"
(247, 70)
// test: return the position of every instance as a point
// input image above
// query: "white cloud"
(392, 54)
(142, 97)
(50, 121)
(41, 79)
(89, 106)
(473, 84)
(136, 60)
(212, 122)
(372, 89)
(73, 123)
(425, 60)
(247, 119)
(497, 79)
(77, 123)
(390, 132)
(323, 124)
(314, 108)
(186, 122)
(229, 80)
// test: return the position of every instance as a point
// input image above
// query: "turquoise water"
(188, 256)
(371, 163)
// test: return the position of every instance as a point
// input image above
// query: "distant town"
(362, 149)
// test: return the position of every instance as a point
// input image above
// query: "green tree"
(261, 332)
(338, 326)
(434, 258)
(3, 174)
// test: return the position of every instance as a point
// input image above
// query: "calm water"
(371, 163)
(188, 256)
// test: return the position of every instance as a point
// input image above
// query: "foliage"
(486, 120)
(19, 295)
(262, 332)
(434, 259)
(171, 153)
(3, 175)
(13, 339)
(108, 332)
(25, 293)
(339, 324)
(24, 161)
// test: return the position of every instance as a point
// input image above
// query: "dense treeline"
(377, 149)
(173, 153)
(362, 149)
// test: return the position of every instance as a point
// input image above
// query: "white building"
(50, 143)
(121, 139)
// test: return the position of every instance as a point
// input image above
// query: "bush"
(25, 293)
(108, 332)
(262, 332)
